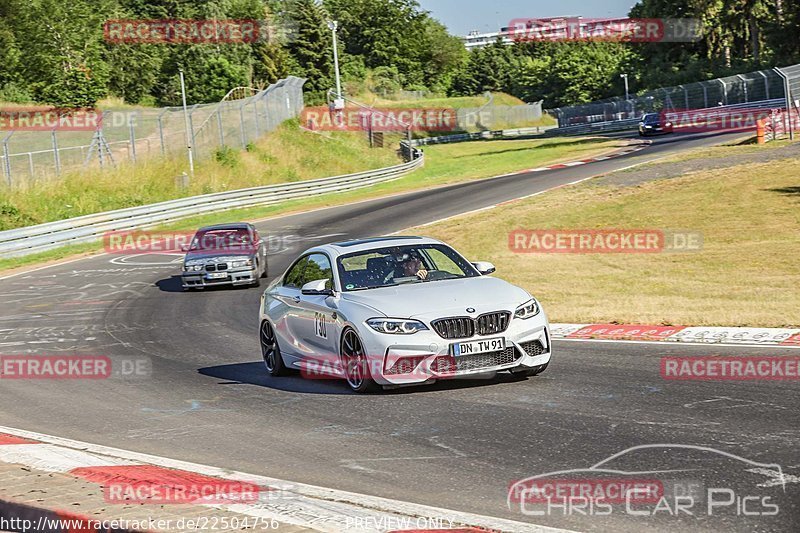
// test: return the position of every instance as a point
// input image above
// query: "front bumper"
(233, 276)
(425, 357)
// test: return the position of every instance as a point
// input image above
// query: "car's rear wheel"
(355, 363)
(530, 372)
(271, 352)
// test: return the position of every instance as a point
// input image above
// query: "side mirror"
(484, 267)
(317, 288)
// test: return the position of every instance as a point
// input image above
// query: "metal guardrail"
(481, 135)
(88, 228)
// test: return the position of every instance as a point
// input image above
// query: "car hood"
(437, 299)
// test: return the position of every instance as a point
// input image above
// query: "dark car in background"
(225, 254)
(654, 124)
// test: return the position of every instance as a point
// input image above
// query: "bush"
(227, 157)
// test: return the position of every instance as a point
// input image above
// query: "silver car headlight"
(239, 264)
(527, 310)
(193, 268)
(396, 326)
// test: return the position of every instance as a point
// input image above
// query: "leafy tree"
(311, 47)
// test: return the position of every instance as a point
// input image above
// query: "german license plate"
(481, 346)
(216, 275)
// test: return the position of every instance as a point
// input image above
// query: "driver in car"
(413, 266)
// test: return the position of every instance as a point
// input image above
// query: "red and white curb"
(309, 506)
(777, 337)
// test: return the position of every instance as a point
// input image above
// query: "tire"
(270, 351)
(355, 363)
(530, 372)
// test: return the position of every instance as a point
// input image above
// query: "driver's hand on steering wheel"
(422, 274)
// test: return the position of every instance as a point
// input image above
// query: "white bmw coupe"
(398, 311)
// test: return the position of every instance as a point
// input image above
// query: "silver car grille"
(217, 267)
(465, 327)
(447, 364)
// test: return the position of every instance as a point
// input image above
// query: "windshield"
(386, 267)
(651, 118)
(221, 240)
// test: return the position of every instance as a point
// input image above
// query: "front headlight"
(527, 310)
(396, 326)
(239, 264)
(192, 268)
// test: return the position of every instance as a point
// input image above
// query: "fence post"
(7, 158)
(724, 92)
(788, 97)
(766, 83)
(241, 125)
(255, 116)
(191, 132)
(744, 84)
(56, 157)
(219, 126)
(132, 135)
(161, 132)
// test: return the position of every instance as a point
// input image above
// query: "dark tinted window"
(294, 277)
(652, 118)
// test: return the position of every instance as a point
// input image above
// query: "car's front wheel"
(355, 363)
(271, 352)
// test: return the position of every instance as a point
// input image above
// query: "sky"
(462, 16)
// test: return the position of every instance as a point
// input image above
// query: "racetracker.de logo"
(188, 491)
(715, 119)
(608, 491)
(73, 367)
(635, 30)
(184, 31)
(49, 119)
(709, 368)
(603, 241)
(384, 119)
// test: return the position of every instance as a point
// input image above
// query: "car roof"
(361, 245)
(235, 225)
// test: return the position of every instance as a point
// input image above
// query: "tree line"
(56, 51)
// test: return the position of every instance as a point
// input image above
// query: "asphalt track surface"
(456, 445)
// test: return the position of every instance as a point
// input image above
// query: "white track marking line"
(574, 164)
(308, 502)
(681, 343)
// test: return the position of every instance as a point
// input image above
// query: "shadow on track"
(255, 374)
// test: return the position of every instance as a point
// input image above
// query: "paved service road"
(454, 445)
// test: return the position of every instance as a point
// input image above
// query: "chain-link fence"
(762, 86)
(135, 134)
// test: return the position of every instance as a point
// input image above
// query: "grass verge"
(285, 155)
(445, 164)
(746, 274)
